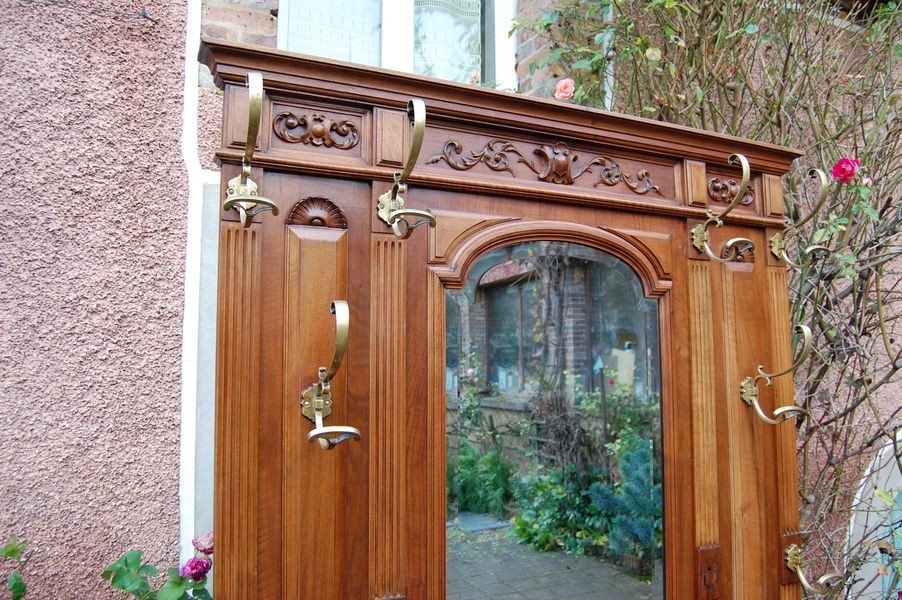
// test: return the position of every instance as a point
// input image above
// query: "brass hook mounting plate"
(316, 399)
(701, 238)
(748, 387)
(242, 191)
(794, 563)
(390, 208)
(815, 252)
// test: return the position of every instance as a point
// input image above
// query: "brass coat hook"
(734, 247)
(242, 191)
(815, 252)
(391, 204)
(748, 387)
(316, 400)
(794, 564)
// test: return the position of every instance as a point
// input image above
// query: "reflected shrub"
(479, 482)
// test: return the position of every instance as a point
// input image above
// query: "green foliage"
(14, 551)
(479, 483)
(557, 511)
(131, 575)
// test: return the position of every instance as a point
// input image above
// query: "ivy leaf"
(16, 585)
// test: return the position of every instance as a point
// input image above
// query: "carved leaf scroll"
(556, 164)
(316, 129)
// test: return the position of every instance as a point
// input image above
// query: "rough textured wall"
(91, 284)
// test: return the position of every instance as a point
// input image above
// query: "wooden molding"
(388, 439)
(454, 226)
(640, 258)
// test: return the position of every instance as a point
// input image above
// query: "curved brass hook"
(242, 191)
(316, 400)
(823, 583)
(815, 252)
(391, 204)
(748, 387)
(700, 236)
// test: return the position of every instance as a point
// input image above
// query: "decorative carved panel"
(556, 163)
(723, 190)
(316, 129)
(317, 212)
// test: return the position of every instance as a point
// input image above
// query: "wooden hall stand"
(367, 519)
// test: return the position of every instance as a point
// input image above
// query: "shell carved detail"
(317, 212)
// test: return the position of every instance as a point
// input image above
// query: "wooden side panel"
(436, 443)
(750, 441)
(704, 421)
(316, 274)
(237, 402)
(787, 467)
(388, 464)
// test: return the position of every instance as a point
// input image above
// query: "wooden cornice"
(503, 112)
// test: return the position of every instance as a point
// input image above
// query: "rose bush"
(130, 574)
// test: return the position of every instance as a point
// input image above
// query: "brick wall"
(252, 22)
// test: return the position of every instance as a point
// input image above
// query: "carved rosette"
(723, 190)
(317, 212)
(316, 129)
(556, 164)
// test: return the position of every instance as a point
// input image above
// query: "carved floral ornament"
(316, 129)
(556, 164)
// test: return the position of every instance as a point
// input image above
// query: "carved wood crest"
(316, 129)
(556, 164)
(723, 190)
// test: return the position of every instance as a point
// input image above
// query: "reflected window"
(554, 429)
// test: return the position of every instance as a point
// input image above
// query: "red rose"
(196, 568)
(564, 89)
(845, 169)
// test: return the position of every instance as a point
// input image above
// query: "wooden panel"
(331, 133)
(704, 421)
(773, 195)
(453, 226)
(387, 481)
(750, 441)
(436, 444)
(237, 400)
(316, 274)
(391, 131)
(696, 190)
(784, 392)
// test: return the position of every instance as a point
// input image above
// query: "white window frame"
(398, 38)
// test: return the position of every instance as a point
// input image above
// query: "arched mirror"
(553, 390)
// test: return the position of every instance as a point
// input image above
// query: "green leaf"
(699, 93)
(14, 549)
(653, 54)
(819, 236)
(582, 64)
(751, 28)
(173, 590)
(16, 585)
(600, 37)
(201, 593)
(148, 571)
(884, 497)
(133, 559)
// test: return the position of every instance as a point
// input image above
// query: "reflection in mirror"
(553, 428)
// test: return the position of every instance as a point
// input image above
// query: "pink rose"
(196, 568)
(845, 169)
(564, 89)
(204, 543)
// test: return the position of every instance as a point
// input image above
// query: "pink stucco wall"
(92, 248)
